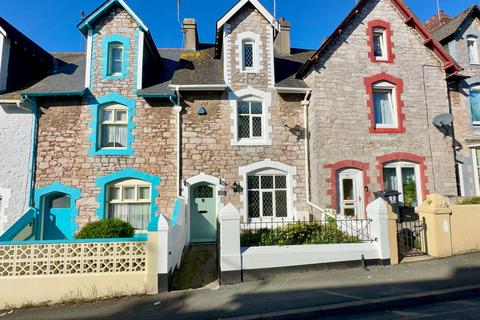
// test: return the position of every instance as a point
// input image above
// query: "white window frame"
(476, 167)
(261, 191)
(249, 101)
(474, 88)
(255, 95)
(111, 46)
(244, 66)
(248, 37)
(384, 86)
(383, 33)
(114, 108)
(130, 183)
(405, 164)
(476, 56)
(263, 168)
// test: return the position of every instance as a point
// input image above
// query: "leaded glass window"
(248, 55)
(250, 120)
(267, 196)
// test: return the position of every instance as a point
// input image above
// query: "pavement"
(309, 295)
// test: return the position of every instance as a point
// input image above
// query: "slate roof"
(202, 68)
(161, 85)
(199, 68)
(449, 29)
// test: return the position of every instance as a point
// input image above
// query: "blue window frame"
(115, 58)
(475, 104)
(127, 174)
(112, 122)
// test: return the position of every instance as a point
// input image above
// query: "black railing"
(256, 233)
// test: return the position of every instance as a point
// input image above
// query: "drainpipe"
(178, 109)
(306, 104)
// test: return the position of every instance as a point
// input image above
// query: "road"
(462, 309)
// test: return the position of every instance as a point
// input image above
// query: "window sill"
(387, 130)
(252, 142)
(249, 71)
(113, 152)
(112, 77)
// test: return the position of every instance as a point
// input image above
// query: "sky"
(52, 23)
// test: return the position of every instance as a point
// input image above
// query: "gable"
(449, 64)
(232, 12)
(105, 7)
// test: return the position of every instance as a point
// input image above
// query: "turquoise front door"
(203, 213)
(58, 221)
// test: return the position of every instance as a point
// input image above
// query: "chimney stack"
(190, 34)
(282, 42)
(437, 21)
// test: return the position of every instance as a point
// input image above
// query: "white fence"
(237, 263)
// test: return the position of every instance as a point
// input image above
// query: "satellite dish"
(443, 120)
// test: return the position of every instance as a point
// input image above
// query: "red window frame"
(398, 83)
(388, 40)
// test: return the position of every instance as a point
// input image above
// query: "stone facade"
(16, 127)
(64, 131)
(339, 113)
(466, 133)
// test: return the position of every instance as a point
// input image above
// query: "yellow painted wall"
(33, 290)
(465, 228)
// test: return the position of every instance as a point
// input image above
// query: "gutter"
(199, 87)
(306, 104)
(291, 90)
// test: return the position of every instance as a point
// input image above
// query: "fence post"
(384, 229)
(158, 272)
(436, 211)
(230, 256)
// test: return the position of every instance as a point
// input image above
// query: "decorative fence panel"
(72, 258)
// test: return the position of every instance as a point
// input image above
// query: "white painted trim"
(190, 182)
(226, 54)
(398, 165)
(5, 194)
(141, 41)
(267, 164)
(3, 32)
(257, 52)
(239, 5)
(88, 69)
(291, 90)
(266, 97)
(199, 87)
(475, 171)
(461, 179)
(271, 61)
(106, 5)
(359, 203)
(4, 58)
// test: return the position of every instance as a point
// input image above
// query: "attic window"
(472, 45)
(115, 59)
(379, 34)
(379, 44)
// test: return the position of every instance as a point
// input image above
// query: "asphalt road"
(452, 310)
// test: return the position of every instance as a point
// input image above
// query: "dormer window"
(248, 48)
(472, 46)
(379, 34)
(379, 44)
(115, 59)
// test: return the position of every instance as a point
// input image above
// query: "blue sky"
(52, 23)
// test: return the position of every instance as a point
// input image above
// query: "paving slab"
(295, 291)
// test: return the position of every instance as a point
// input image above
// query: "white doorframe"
(190, 182)
(359, 202)
(398, 167)
(475, 169)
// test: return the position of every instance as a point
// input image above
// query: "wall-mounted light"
(366, 189)
(237, 188)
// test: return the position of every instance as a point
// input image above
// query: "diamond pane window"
(248, 61)
(250, 120)
(267, 196)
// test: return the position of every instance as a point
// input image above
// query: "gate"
(412, 238)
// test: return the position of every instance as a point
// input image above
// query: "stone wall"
(339, 122)
(16, 127)
(466, 134)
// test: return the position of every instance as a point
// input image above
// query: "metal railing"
(299, 232)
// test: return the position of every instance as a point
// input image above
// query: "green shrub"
(298, 234)
(106, 229)
(468, 201)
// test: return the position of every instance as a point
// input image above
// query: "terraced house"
(279, 132)
(460, 37)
